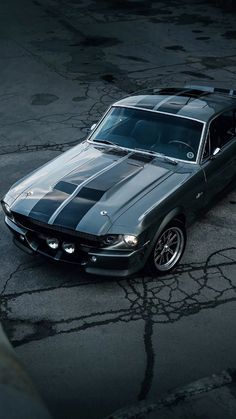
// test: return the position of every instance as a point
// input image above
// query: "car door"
(219, 155)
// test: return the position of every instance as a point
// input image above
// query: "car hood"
(88, 187)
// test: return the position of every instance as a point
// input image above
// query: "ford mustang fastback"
(122, 199)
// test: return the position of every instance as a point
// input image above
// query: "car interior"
(170, 135)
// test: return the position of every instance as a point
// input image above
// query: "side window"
(222, 129)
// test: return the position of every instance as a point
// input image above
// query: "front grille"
(60, 232)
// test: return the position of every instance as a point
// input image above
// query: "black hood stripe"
(44, 209)
(147, 102)
(115, 152)
(65, 187)
(47, 205)
(174, 104)
(107, 180)
(77, 208)
(90, 194)
(53, 206)
(142, 158)
(88, 169)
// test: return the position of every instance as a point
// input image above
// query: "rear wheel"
(168, 249)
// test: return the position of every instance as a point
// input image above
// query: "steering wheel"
(182, 143)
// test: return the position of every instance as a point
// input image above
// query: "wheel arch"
(175, 214)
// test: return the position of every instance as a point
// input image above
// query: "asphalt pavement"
(95, 345)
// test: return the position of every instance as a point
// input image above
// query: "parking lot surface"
(92, 344)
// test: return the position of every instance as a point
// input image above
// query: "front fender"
(174, 213)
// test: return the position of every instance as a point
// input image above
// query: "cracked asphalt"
(94, 345)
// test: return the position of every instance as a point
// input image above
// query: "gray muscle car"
(121, 200)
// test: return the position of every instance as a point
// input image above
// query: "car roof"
(197, 102)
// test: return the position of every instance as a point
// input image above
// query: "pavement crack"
(186, 291)
(150, 359)
(7, 280)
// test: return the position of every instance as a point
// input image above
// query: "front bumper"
(119, 263)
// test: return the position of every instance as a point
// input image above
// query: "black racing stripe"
(89, 195)
(174, 104)
(78, 207)
(86, 171)
(171, 108)
(47, 205)
(148, 102)
(115, 152)
(65, 187)
(107, 180)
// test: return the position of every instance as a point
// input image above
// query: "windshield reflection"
(170, 135)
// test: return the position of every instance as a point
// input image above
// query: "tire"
(168, 249)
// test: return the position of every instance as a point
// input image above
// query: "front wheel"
(168, 249)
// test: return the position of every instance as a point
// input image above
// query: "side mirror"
(216, 151)
(93, 127)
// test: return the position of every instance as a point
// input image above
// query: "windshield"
(170, 135)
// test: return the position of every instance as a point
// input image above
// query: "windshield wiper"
(155, 153)
(146, 151)
(167, 159)
(106, 142)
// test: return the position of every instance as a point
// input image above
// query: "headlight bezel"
(111, 240)
(125, 241)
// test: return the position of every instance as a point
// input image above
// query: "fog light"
(53, 243)
(68, 247)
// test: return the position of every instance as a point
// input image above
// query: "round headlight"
(130, 240)
(68, 247)
(53, 243)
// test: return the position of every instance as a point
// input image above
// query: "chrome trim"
(146, 151)
(141, 152)
(99, 123)
(168, 98)
(113, 255)
(202, 139)
(14, 226)
(127, 253)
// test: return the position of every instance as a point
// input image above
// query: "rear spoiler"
(210, 89)
(182, 89)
